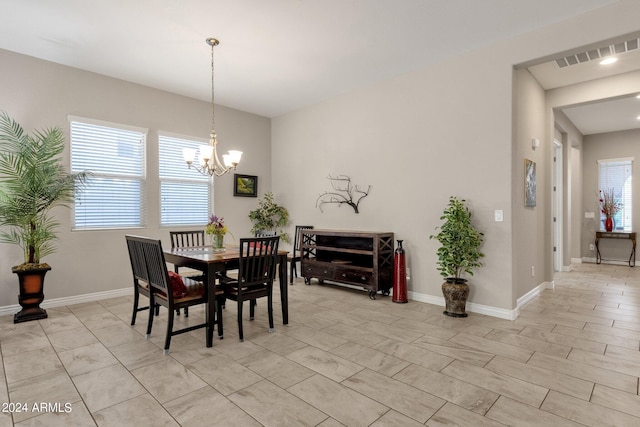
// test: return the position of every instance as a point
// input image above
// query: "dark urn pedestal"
(455, 292)
(31, 292)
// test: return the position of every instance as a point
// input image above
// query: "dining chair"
(265, 233)
(256, 272)
(296, 255)
(185, 239)
(150, 273)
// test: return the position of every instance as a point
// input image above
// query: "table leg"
(284, 289)
(598, 257)
(210, 311)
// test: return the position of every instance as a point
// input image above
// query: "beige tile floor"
(572, 358)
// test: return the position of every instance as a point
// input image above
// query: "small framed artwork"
(529, 183)
(245, 185)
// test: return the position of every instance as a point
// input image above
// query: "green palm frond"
(32, 182)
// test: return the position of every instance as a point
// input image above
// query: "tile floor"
(572, 358)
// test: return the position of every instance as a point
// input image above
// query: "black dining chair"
(185, 239)
(150, 273)
(256, 272)
(265, 233)
(295, 256)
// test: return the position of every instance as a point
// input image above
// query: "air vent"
(599, 53)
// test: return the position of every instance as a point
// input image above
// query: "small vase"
(218, 243)
(608, 224)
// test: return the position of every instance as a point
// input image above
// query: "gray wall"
(40, 94)
(460, 127)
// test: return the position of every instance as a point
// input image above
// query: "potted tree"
(32, 182)
(269, 216)
(459, 253)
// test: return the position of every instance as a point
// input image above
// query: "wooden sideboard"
(349, 257)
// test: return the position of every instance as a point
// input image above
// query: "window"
(114, 196)
(185, 194)
(616, 174)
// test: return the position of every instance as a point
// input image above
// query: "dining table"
(210, 262)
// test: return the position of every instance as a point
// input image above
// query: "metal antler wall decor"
(344, 192)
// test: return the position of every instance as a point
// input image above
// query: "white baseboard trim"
(472, 307)
(77, 299)
(576, 260)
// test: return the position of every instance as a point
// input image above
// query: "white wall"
(39, 94)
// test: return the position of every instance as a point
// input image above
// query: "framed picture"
(529, 183)
(245, 185)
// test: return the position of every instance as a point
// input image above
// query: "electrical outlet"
(592, 247)
(408, 273)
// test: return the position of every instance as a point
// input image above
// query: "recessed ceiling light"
(609, 60)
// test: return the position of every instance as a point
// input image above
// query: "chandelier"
(209, 160)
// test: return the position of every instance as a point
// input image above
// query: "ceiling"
(274, 56)
(608, 115)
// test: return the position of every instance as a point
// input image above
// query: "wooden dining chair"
(256, 272)
(185, 239)
(265, 233)
(150, 273)
(295, 256)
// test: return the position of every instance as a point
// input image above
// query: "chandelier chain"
(210, 163)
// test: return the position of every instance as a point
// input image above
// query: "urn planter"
(31, 280)
(455, 292)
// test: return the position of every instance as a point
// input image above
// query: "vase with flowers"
(216, 229)
(609, 206)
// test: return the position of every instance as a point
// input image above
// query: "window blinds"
(617, 174)
(114, 196)
(185, 194)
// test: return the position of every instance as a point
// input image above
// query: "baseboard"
(471, 307)
(77, 299)
(576, 260)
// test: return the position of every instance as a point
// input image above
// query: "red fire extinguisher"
(399, 276)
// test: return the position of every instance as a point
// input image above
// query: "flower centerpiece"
(609, 206)
(216, 229)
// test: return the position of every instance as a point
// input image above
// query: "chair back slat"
(183, 239)
(150, 263)
(297, 239)
(257, 261)
(136, 256)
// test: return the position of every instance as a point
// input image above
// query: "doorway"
(557, 205)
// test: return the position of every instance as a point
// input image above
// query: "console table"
(617, 235)
(349, 257)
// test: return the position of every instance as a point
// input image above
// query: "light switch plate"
(499, 215)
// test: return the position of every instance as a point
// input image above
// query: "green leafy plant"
(460, 241)
(269, 216)
(32, 182)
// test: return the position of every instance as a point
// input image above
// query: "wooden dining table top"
(207, 254)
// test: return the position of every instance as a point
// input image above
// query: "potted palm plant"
(458, 254)
(270, 216)
(32, 182)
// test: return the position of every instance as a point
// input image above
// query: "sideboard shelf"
(348, 257)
